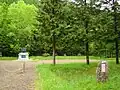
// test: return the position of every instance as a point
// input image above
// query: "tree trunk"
(54, 61)
(116, 33)
(87, 52)
(87, 43)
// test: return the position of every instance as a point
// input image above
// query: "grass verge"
(8, 58)
(76, 77)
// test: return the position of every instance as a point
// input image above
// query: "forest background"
(32, 23)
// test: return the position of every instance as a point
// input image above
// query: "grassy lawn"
(76, 77)
(63, 57)
(37, 58)
(8, 58)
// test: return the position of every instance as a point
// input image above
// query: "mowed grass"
(37, 58)
(8, 58)
(76, 77)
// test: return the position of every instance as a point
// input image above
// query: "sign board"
(103, 67)
(23, 56)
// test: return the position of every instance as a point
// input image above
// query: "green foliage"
(26, 1)
(23, 24)
(46, 55)
(16, 26)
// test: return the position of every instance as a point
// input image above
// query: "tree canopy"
(30, 25)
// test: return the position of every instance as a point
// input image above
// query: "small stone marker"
(102, 71)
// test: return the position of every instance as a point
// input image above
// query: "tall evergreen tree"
(49, 21)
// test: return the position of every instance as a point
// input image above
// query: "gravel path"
(12, 76)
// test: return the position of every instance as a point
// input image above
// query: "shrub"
(46, 54)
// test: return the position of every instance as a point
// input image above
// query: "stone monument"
(23, 55)
(102, 71)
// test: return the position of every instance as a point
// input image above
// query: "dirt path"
(13, 78)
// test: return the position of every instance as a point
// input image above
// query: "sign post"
(23, 56)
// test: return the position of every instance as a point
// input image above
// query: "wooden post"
(24, 66)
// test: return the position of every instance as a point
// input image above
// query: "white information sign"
(102, 67)
(23, 56)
